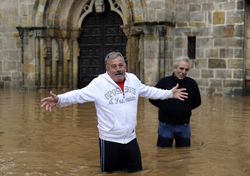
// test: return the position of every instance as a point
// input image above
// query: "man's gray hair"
(179, 59)
(113, 55)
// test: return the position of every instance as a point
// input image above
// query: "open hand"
(49, 102)
(180, 94)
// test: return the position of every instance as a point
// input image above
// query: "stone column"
(151, 54)
(162, 48)
(40, 55)
(169, 43)
(55, 59)
(65, 63)
(27, 59)
(42, 62)
(152, 51)
(75, 53)
(48, 63)
(141, 57)
(132, 49)
(70, 63)
(60, 64)
(37, 61)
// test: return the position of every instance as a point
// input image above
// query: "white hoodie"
(116, 110)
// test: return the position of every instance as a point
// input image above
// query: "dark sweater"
(175, 111)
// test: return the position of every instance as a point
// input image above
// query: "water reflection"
(34, 142)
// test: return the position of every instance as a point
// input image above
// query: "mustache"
(119, 73)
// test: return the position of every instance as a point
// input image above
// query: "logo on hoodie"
(116, 96)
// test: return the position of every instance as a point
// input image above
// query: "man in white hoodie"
(115, 94)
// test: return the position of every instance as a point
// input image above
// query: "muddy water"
(38, 143)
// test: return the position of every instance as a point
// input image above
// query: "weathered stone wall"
(218, 27)
(12, 13)
(153, 10)
(10, 71)
(161, 30)
(155, 19)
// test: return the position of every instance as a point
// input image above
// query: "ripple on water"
(65, 142)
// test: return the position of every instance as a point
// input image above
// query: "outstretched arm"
(49, 102)
(180, 94)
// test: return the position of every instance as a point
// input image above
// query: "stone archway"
(50, 46)
(101, 33)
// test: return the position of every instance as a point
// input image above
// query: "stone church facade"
(61, 44)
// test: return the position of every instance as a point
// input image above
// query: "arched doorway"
(101, 33)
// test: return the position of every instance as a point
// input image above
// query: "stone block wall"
(219, 30)
(12, 13)
(154, 17)
(220, 66)
(153, 10)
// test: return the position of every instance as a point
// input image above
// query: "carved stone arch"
(52, 13)
(39, 12)
(125, 10)
(115, 5)
(51, 45)
(108, 36)
(74, 13)
(61, 15)
(55, 42)
(87, 9)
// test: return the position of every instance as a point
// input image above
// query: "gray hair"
(179, 59)
(113, 55)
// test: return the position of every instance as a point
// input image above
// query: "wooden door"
(101, 33)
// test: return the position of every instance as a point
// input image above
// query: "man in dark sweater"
(174, 115)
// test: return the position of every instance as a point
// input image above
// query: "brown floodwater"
(34, 142)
